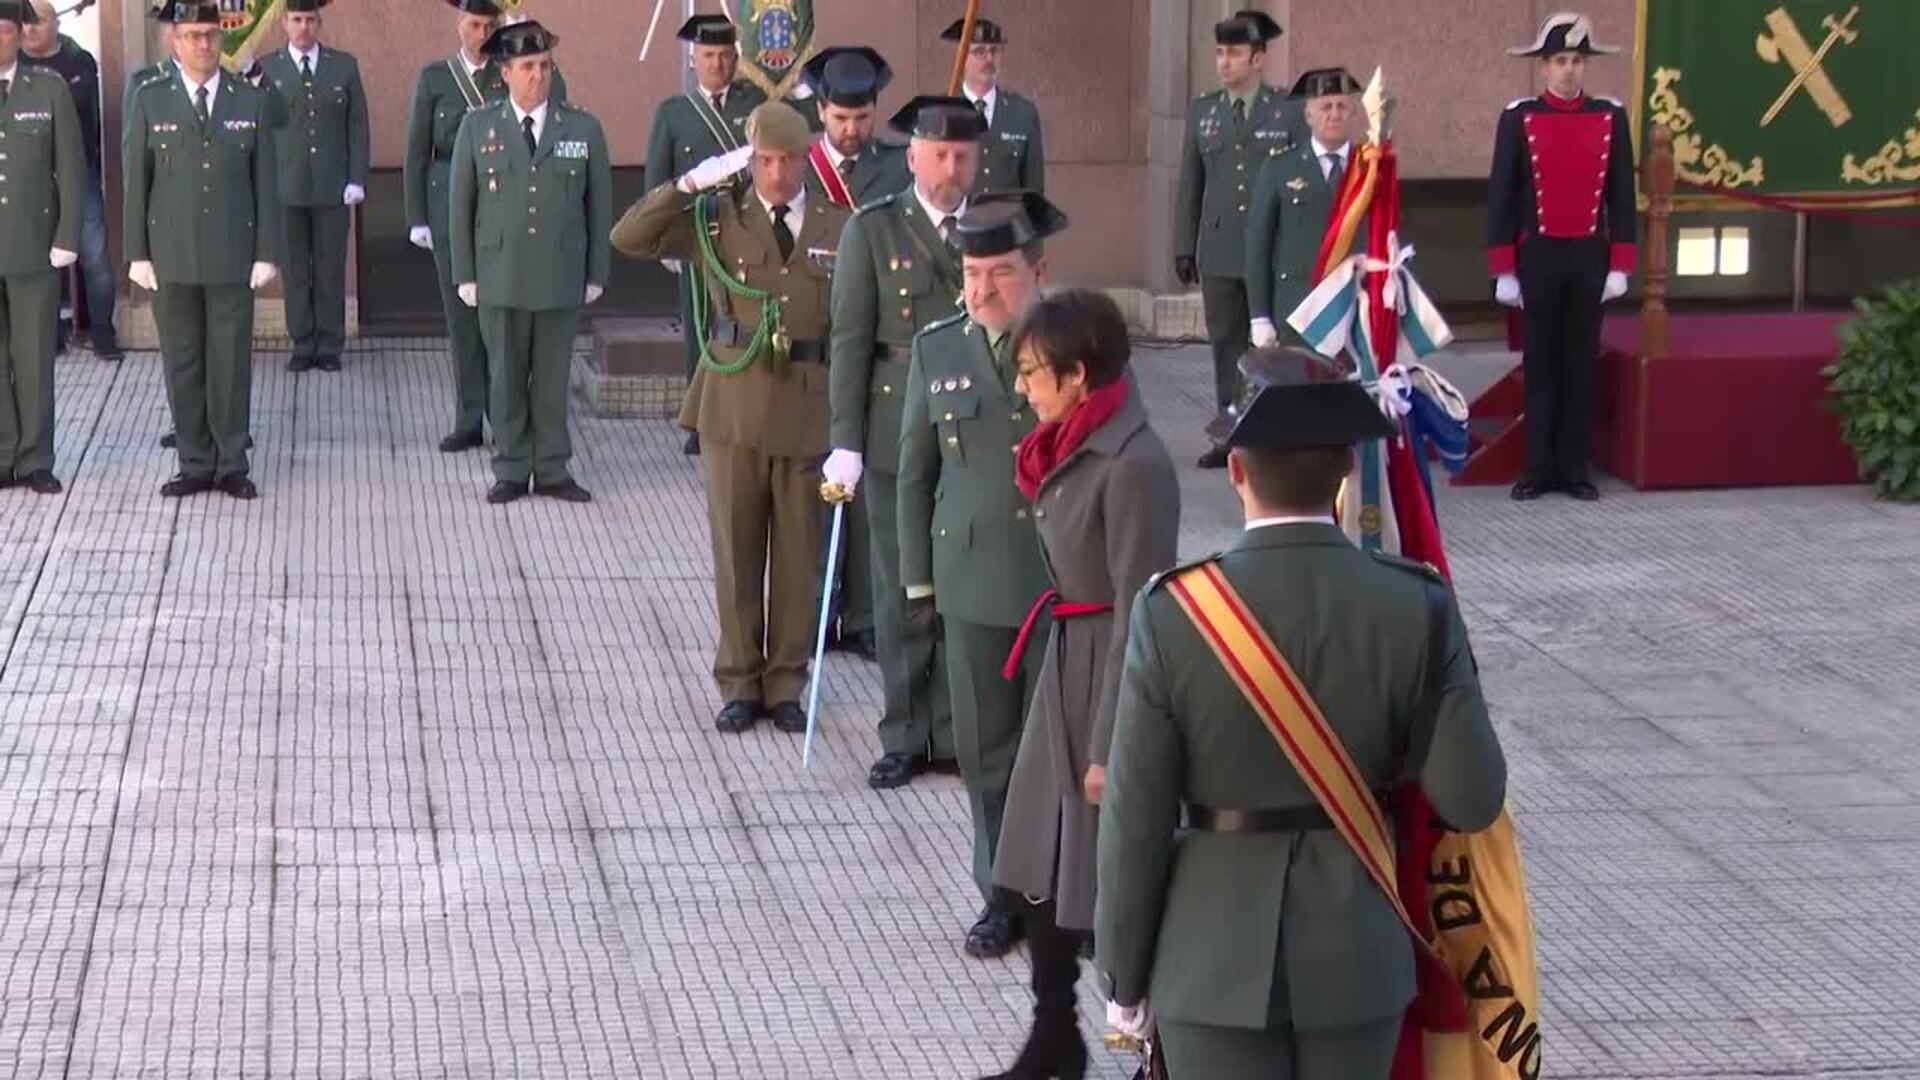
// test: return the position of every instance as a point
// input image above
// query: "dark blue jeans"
(96, 271)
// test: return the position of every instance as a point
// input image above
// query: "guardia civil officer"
(1292, 202)
(532, 204)
(1229, 908)
(968, 547)
(323, 174)
(1230, 133)
(203, 231)
(1012, 153)
(896, 275)
(702, 123)
(43, 185)
(759, 400)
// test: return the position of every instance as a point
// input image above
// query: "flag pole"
(966, 43)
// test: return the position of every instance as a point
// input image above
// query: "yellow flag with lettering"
(1477, 896)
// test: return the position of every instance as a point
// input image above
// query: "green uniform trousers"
(764, 515)
(470, 382)
(1203, 1052)
(1224, 301)
(29, 325)
(918, 717)
(316, 279)
(989, 712)
(206, 341)
(530, 354)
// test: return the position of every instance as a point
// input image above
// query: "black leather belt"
(725, 331)
(1272, 819)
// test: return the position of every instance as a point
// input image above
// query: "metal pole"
(1800, 260)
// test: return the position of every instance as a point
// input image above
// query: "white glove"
(594, 292)
(61, 258)
(843, 467)
(1506, 289)
(141, 274)
(1134, 1020)
(262, 276)
(421, 237)
(715, 169)
(1265, 336)
(1616, 286)
(672, 265)
(354, 195)
(469, 294)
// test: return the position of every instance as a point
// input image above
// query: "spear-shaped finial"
(1379, 107)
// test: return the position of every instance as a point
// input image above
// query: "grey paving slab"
(370, 779)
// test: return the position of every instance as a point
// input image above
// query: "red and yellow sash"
(829, 176)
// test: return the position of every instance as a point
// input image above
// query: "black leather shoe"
(993, 935)
(239, 487)
(891, 771)
(565, 490)
(327, 363)
(503, 492)
(107, 347)
(692, 446)
(1055, 1052)
(1215, 458)
(460, 441)
(1527, 490)
(789, 717)
(1582, 490)
(182, 486)
(41, 482)
(737, 716)
(300, 363)
(169, 441)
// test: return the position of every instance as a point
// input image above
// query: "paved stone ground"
(369, 779)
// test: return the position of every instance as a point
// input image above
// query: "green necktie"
(1239, 110)
(200, 104)
(3, 90)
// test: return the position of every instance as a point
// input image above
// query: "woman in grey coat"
(1107, 507)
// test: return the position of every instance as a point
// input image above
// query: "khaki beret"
(776, 126)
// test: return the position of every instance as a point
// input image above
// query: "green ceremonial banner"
(776, 39)
(1785, 97)
(241, 22)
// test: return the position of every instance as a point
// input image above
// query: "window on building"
(1712, 251)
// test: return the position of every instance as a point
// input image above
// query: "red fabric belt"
(1048, 601)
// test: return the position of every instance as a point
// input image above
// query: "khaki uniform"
(43, 183)
(763, 430)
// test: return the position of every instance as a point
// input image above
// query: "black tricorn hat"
(849, 76)
(1296, 399)
(1565, 32)
(294, 6)
(184, 12)
(486, 9)
(1324, 82)
(1247, 27)
(709, 30)
(19, 11)
(935, 116)
(985, 32)
(1005, 221)
(524, 38)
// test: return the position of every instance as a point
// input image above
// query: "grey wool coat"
(1109, 519)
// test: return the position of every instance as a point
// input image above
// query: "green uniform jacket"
(681, 139)
(202, 204)
(880, 170)
(323, 146)
(439, 104)
(532, 230)
(895, 275)
(780, 410)
(1012, 157)
(1291, 203)
(142, 77)
(43, 171)
(965, 529)
(1219, 163)
(1194, 922)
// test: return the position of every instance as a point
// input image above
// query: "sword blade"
(820, 635)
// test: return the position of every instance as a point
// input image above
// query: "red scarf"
(1046, 446)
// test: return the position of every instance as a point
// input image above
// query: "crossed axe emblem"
(1785, 43)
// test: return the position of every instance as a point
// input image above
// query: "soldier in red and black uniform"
(1561, 227)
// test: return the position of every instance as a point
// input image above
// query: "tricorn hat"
(1325, 82)
(19, 11)
(849, 76)
(934, 116)
(1249, 27)
(524, 38)
(1565, 32)
(709, 30)
(1297, 399)
(486, 9)
(184, 12)
(294, 6)
(985, 32)
(1005, 221)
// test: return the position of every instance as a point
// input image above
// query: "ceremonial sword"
(839, 497)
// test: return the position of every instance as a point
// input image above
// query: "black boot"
(1054, 1049)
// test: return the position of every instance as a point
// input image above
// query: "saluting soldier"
(1292, 201)
(1012, 153)
(203, 231)
(896, 275)
(1230, 133)
(323, 175)
(1306, 971)
(532, 204)
(446, 91)
(702, 123)
(967, 540)
(759, 400)
(42, 198)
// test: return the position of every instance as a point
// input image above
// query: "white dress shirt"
(212, 84)
(311, 56)
(472, 68)
(991, 97)
(1290, 519)
(1320, 152)
(7, 76)
(834, 157)
(796, 213)
(934, 213)
(539, 115)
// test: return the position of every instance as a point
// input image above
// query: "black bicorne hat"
(1005, 221)
(848, 76)
(935, 116)
(1565, 32)
(1296, 399)
(985, 32)
(709, 30)
(1246, 28)
(1324, 82)
(524, 38)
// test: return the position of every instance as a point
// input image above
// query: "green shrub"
(1876, 390)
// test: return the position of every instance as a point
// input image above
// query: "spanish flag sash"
(829, 177)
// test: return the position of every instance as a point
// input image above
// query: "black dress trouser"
(1560, 284)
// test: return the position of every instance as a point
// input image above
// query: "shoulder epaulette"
(877, 203)
(1177, 569)
(947, 323)
(1516, 103)
(1613, 101)
(1411, 566)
